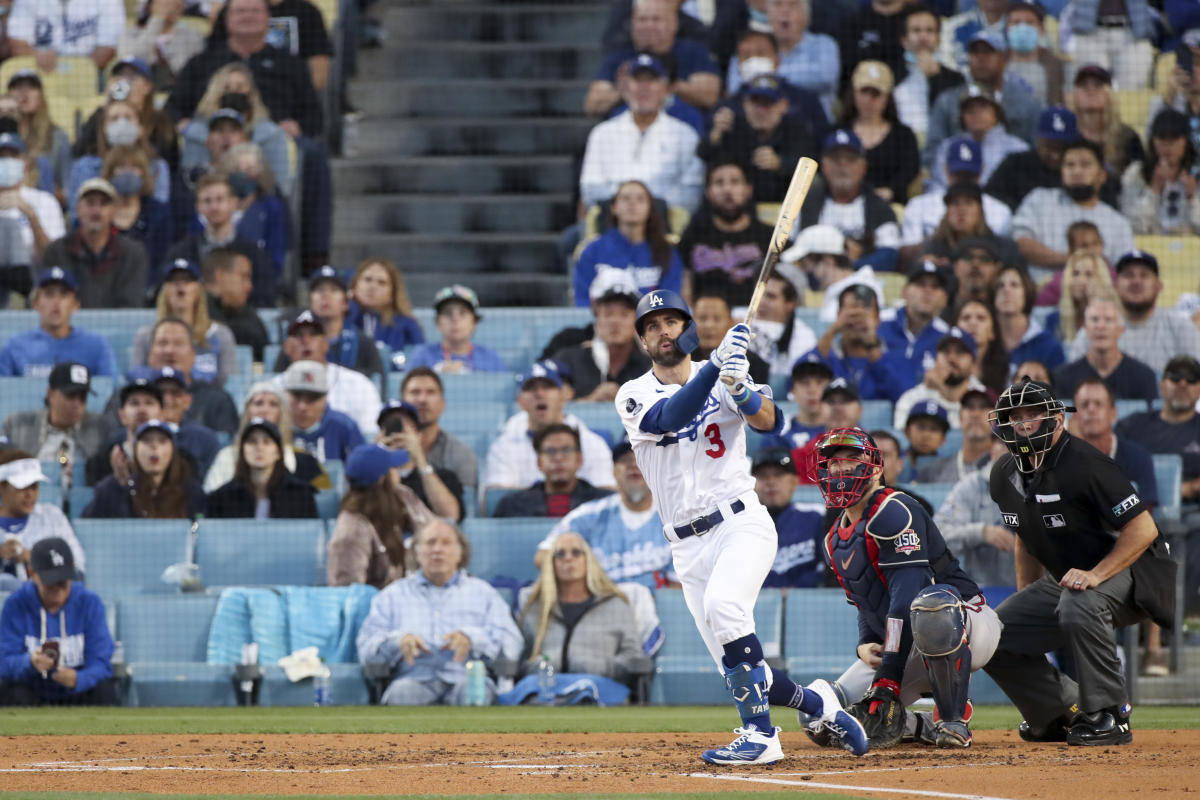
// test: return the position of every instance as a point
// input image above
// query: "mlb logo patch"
(1054, 521)
(1009, 519)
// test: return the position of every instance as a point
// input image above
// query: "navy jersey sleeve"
(1116, 500)
(901, 532)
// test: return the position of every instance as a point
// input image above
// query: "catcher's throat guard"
(844, 462)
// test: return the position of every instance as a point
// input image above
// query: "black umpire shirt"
(1069, 513)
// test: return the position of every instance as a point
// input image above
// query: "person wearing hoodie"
(262, 487)
(55, 646)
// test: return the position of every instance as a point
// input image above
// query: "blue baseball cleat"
(750, 747)
(841, 726)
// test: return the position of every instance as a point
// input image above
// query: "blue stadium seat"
(245, 360)
(505, 547)
(1128, 406)
(685, 673)
(128, 556)
(237, 386)
(348, 687)
(327, 503)
(935, 493)
(1168, 474)
(475, 386)
(165, 641)
(29, 394)
(270, 321)
(809, 493)
(492, 497)
(476, 417)
(549, 321)
(248, 552)
(336, 470)
(114, 321)
(80, 496)
(601, 418)
(876, 414)
(952, 443)
(820, 637)
(781, 384)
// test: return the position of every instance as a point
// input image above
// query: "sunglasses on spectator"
(564, 554)
(1181, 377)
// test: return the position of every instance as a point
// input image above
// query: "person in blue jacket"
(34, 353)
(457, 309)
(160, 486)
(636, 240)
(55, 647)
(380, 306)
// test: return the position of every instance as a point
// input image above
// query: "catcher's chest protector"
(855, 561)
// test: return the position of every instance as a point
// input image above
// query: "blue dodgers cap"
(169, 374)
(765, 86)
(398, 405)
(226, 114)
(929, 410)
(27, 75)
(136, 64)
(182, 265)
(841, 386)
(546, 370)
(57, 275)
(621, 448)
(368, 463)
(328, 273)
(169, 428)
(1056, 123)
(645, 62)
(262, 424)
(842, 138)
(964, 154)
(1137, 257)
(12, 141)
(957, 335)
(811, 364)
(989, 37)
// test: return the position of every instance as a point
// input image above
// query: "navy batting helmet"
(663, 300)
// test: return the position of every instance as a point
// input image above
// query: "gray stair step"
(462, 174)
(497, 60)
(582, 22)
(457, 252)
(472, 136)
(469, 97)
(448, 213)
(493, 288)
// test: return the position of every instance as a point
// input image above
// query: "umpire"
(1088, 558)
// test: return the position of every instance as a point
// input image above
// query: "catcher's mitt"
(881, 714)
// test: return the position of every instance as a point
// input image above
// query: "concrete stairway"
(465, 154)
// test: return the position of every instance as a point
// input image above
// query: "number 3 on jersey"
(713, 434)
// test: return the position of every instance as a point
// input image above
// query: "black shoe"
(1107, 726)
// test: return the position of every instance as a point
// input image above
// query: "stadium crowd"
(982, 212)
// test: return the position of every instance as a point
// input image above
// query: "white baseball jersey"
(691, 470)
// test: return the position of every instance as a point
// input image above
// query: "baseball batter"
(686, 430)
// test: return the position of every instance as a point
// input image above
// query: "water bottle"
(547, 682)
(476, 683)
(323, 688)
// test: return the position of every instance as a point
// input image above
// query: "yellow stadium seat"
(202, 26)
(1177, 258)
(1164, 65)
(1134, 107)
(329, 12)
(893, 285)
(70, 89)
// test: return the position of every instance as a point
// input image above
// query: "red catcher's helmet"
(843, 478)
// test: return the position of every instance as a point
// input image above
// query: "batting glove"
(734, 374)
(736, 340)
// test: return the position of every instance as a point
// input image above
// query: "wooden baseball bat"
(789, 210)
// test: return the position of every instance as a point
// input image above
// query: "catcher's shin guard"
(749, 686)
(939, 629)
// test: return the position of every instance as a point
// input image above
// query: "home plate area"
(1161, 764)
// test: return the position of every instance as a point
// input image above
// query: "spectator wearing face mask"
(137, 213)
(1028, 58)
(130, 81)
(263, 217)
(35, 215)
(122, 126)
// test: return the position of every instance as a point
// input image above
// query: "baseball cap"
(766, 86)
(327, 273)
(182, 265)
(546, 370)
(398, 405)
(989, 37)
(1137, 257)
(96, 185)
(222, 114)
(71, 377)
(136, 64)
(976, 92)
(457, 293)
(1031, 5)
(22, 473)
(306, 376)
(620, 449)
(614, 284)
(169, 428)
(645, 62)
(306, 317)
(816, 239)
(842, 138)
(367, 463)
(1183, 366)
(842, 386)
(1056, 123)
(977, 243)
(929, 410)
(809, 365)
(873, 75)
(977, 394)
(969, 190)
(26, 75)
(773, 457)
(964, 155)
(57, 275)
(1190, 38)
(929, 268)
(262, 424)
(141, 385)
(52, 560)
(12, 141)
(169, 374)
(1093, 71)
(957, 336)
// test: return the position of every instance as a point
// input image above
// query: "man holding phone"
(55, 646)
(440, 489)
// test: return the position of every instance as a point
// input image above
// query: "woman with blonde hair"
(130, 82)
(1086, 276)
(264, 218)
(577, 616)
(182, 296)
(380, 307)
(44, 139)
(1099, 121)
(122, 125)
(138, 214)
(266, 400)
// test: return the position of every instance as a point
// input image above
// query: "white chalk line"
(140, 768)
(845, 787)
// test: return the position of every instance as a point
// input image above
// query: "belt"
(702, 525)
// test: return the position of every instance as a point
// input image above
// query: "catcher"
(923, 624)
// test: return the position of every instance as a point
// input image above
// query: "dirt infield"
(1160, 764)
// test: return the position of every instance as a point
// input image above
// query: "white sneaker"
(841, 725)
(752, 746)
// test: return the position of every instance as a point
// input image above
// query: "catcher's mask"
(1028, 444)
(844, 462)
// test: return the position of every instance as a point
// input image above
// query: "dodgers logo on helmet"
(656, 300)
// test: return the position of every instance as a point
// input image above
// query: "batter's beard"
(671, 359)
